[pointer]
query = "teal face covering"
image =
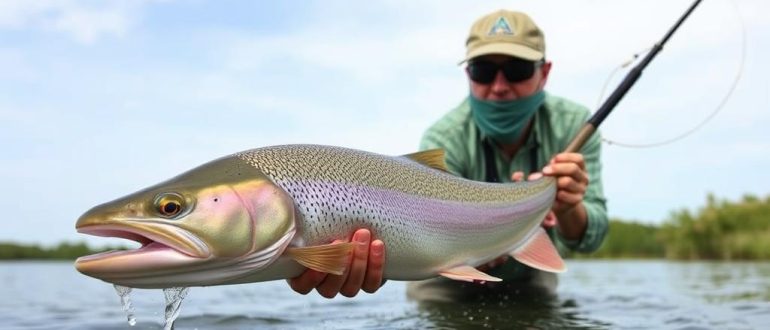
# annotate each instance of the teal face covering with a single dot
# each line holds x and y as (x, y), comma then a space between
(504, 121)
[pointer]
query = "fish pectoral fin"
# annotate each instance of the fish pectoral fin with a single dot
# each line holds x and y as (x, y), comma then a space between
(328, 258)
(468, 274)
(433, 158)
(538, 252)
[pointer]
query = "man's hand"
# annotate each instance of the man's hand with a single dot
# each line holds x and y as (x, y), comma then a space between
(364, 271)
(569, 169)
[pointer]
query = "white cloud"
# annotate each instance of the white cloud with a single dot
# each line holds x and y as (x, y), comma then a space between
(19, 13)
(84, 22)
(87, 25)
(368, 58)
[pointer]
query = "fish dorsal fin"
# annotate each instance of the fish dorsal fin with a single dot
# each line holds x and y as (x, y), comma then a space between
(468, 274)
(328, 258)
(433, 158)
(538, 252)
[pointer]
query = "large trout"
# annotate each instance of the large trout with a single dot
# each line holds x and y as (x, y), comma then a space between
(268, 213)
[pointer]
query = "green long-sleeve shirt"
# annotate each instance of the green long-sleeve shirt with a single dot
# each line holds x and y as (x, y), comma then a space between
(555, 124)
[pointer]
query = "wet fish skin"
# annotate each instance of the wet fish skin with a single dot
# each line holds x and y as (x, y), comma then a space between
(274, 199)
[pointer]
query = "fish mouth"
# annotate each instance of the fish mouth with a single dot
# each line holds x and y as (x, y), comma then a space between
(164, 247)
(150, 236)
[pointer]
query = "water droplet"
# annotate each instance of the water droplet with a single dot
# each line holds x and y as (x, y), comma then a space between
(125, 299)
(174, 297)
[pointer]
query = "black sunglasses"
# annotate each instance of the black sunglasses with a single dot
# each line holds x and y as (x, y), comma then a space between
(514, 70)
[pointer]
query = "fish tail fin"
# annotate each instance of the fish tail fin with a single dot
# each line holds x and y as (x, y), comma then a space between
(539, 252)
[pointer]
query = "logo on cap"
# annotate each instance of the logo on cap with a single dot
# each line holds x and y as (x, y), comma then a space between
(501, 27)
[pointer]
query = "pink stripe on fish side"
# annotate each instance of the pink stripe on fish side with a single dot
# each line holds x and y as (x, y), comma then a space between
(338, 202)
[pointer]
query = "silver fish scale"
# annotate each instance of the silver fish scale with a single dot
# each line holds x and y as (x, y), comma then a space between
(348, 166)
(333, 210)
(337, 190)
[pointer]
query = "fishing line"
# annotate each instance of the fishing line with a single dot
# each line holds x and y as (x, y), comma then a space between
(622, 66)
(708, 118)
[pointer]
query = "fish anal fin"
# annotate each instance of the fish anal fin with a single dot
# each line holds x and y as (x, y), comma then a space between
(468, 274)
(328, 258)
(539, 252)
(433, 158)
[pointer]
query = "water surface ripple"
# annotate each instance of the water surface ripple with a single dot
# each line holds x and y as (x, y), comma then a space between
(592, 295)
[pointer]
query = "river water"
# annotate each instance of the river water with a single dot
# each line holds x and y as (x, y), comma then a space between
(592, 294)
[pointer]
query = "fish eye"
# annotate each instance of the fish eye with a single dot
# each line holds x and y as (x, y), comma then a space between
(169, 205)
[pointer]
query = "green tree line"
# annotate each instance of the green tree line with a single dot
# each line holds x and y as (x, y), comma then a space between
(63, 251)
(720, 230)
(629, 239)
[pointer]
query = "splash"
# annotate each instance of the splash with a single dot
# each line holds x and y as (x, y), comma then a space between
(174, 297)
(125, 298)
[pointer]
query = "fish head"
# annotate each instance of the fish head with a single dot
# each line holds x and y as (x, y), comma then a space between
(204, 227)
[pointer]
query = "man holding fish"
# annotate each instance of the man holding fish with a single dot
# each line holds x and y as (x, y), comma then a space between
(272, 213)
(507, 127)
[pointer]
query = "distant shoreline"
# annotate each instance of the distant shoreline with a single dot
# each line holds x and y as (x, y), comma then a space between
(721, 230)
(62, 251)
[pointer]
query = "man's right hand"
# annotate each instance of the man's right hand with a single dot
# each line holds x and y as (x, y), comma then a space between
(363, 273)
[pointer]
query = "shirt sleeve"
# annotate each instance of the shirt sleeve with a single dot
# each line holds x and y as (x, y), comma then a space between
(594, 202)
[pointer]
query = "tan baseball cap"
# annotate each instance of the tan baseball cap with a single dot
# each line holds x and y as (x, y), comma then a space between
(505, 32)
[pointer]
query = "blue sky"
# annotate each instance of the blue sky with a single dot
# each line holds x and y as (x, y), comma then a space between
(101, 98)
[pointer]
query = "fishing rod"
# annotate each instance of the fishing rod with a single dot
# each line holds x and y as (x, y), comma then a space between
(593, 123)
